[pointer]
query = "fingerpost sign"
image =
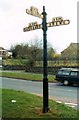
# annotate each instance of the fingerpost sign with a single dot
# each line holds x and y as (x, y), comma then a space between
(56, 21)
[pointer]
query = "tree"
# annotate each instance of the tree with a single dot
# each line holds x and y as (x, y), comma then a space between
(35, 51)
(19, 51)
(56, 56)
(50, 53)
(32, 52)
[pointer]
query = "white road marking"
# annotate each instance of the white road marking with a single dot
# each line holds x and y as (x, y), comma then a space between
(68, 104)
(71, 104)
(70, 90)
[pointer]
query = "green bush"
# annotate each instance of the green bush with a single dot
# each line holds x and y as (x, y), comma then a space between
(15, 61)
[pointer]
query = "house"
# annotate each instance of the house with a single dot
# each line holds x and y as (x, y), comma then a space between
(71, 52)
(4, 52)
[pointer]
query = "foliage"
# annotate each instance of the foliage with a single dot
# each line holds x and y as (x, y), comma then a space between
(50, 53)
(33, 52)
(20, 51)
(58, 62)
(56, 56)
(26, 62)
(15, 61)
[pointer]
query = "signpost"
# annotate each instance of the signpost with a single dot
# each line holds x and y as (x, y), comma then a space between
(34, 11)
(57, 21)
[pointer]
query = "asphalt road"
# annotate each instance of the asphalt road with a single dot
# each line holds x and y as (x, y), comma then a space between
(66, 94)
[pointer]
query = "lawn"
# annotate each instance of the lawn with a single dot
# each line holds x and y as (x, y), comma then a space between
(30, 106)
(26, 76)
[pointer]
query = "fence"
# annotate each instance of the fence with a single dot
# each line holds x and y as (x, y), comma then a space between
(59, 63)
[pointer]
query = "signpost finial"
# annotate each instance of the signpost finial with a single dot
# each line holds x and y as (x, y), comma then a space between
(43, 8)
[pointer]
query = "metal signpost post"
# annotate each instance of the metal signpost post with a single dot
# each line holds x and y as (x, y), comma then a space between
(45, 79)
(57, 21)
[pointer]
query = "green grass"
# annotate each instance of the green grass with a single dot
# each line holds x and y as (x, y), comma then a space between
(30, 106)
(26, 76)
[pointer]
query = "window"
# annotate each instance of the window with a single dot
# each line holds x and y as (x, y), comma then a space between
(60, 72)
(63, 72)
(66, 72)
(74, 73)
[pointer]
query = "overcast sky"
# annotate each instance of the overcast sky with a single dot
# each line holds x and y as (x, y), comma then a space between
(13, 18)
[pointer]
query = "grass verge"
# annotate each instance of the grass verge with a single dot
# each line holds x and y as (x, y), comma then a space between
(26, 76)
(30, 106)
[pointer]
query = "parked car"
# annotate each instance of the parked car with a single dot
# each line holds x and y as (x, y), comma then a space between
(0, 67)
(68, 76)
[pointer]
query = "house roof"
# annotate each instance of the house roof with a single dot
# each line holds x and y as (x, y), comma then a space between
(2, 49)
(72, 45)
